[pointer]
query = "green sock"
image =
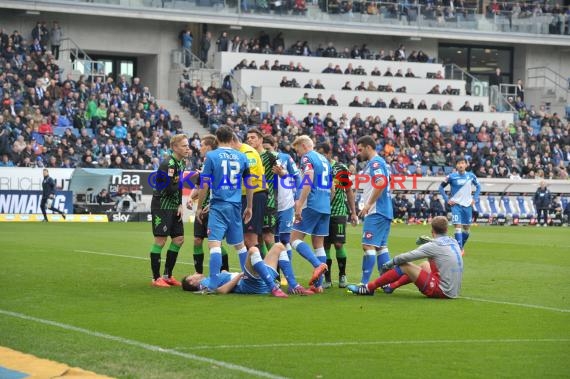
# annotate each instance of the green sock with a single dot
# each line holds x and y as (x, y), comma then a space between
(199, 258)
(263, 249)
(171, 256)
(341, 253)
(155, 260)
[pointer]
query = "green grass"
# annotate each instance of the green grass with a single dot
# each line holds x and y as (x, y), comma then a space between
(334, 335)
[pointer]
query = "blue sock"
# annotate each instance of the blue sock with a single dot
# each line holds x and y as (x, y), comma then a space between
(322, 257)
(215, 265)
(399, 270)
(367, 265)
(459, 237)
(382, 258)
(261, 269)
(287, 269)
(242, 255)
(306, 252)
(465, 236)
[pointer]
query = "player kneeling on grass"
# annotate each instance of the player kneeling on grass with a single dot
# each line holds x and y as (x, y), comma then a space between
(439, 277)
(258, 276)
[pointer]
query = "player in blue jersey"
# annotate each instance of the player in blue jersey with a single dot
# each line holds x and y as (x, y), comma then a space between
(223, 171)
(461, 200)
(377, 210)
(286, 179)
(257, 276)
(312, 209)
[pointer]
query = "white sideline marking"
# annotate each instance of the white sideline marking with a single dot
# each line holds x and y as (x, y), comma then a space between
(523, 305)
(125, 341)
(516, 304)
(351, 343)
(122, 256)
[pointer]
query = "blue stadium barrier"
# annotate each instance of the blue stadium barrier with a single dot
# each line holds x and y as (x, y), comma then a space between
(492, 205)
(448, 170)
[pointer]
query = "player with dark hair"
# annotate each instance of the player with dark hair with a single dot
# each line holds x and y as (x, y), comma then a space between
(224, 170)
(257, 276)
(48, 195)
(166, 211)
(341, 203)
(207, 143)
(312, 209)
(254, 227)
(268, 159)
(439, 277)
(377, 210)
(461, 200)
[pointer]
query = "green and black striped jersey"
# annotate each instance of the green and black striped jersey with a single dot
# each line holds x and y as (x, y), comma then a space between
(339, 206)
(268, 159)
(167, 194)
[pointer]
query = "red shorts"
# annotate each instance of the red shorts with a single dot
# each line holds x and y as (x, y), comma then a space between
(428, 284)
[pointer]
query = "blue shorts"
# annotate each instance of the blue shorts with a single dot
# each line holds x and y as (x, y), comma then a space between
(225, 220)
(313, 223)
(250, 284)
(461, 215)
(375, 230)
(285, 220)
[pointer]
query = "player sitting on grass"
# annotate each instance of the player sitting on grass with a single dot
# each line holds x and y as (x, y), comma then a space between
(439, 277)
(257, 277)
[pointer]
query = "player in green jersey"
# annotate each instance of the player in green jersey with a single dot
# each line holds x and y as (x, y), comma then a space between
(166, 211)
(342, 206)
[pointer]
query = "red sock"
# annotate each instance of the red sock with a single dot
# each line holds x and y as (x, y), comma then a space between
(404, 279)
(387, 277)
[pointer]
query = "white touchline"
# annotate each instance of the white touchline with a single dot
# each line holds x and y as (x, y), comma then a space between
(126, 341)
(380, 342)
(523, 305)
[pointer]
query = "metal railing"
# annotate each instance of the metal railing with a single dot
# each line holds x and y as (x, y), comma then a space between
(80, 60)
(402, 13)
(549, 79)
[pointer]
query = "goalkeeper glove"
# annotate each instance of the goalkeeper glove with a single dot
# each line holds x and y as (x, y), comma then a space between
(423, 239)
(388, 265)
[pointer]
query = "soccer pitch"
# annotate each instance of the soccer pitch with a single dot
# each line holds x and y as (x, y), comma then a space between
(80, 294)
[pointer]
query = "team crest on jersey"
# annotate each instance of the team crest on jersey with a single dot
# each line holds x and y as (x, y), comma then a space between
(368, 235)
(171, 172)
(375, 165)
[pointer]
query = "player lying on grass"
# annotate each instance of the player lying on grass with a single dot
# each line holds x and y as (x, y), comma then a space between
(439, 277)
(258, 276)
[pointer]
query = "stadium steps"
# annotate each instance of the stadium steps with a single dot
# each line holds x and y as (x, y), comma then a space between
(189, 123)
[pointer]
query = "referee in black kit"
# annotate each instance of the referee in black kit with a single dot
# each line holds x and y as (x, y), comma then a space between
(48, 195)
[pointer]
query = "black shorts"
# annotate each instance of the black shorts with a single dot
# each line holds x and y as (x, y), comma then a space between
(255, 225)
(337, 230)
(165, 222)
(270, 220)
(201, 228)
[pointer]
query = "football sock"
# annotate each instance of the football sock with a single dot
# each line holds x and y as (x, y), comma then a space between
(262, 249)
(215, 265)
(328, 272)
(261, 269)
(285, 239)
(382, 258)
(289, 251)
(340, 252)
(155, 260)
(388, 277)
(199, 258)
(225, 259)
(459, 237)
(322, 257)
(403, 280)
(367, 265)
(341, 266)
(305, 251)
(171, 256)
(242, 255)
(287, 269)
(341, 260)
(465, 236)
